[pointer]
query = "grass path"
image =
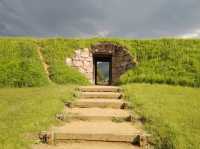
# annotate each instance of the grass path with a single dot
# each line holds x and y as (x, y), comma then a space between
(29, 110)
(171, 113)
(45, 66)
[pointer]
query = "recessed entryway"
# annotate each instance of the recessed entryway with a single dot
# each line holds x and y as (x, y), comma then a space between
(102, 69)
(102, 63)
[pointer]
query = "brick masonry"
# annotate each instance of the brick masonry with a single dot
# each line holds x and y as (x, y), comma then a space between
(121, 60)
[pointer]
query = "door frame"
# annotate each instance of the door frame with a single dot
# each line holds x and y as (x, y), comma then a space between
(102, 58)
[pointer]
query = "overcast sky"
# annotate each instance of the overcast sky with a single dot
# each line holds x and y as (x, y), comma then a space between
(103, 18)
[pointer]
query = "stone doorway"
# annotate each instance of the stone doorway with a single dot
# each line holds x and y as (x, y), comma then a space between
(115, 59)
(102, 69)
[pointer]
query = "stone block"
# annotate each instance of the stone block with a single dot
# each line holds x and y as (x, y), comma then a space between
(85, 54)
(78, 52)
(69, 61)
(86, 50)
(78, 63)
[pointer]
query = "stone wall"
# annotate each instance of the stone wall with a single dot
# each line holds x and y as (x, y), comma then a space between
(83, 61)
(121, 60)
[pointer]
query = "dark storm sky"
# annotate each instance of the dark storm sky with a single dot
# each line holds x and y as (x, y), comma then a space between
(103, 18)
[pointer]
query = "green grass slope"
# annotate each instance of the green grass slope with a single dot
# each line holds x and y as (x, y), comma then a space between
(170, 113)
(55, 52)
(20, 65)
(29, 110)
(167, 61)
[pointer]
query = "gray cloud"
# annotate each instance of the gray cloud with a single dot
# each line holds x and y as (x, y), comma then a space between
(75, 18)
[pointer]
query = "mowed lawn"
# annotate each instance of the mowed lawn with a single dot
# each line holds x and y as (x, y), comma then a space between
(170, 113)
(26, 110)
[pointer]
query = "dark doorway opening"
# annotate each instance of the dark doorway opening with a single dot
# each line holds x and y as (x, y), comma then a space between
(103, 69)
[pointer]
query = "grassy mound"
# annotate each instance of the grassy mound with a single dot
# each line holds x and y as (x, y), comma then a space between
(170, 113)
(20, 65)
(167, 61)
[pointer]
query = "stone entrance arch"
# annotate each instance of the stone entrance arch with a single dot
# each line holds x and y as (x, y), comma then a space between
(120, 60)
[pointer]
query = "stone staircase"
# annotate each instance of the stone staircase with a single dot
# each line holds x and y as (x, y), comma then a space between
(100, 116)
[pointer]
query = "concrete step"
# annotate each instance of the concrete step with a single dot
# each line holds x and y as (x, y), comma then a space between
(99, 89)
(99, 103)
(108, 95)
(87, 145)
(96, 114)
(101, 99)
(98, 131)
